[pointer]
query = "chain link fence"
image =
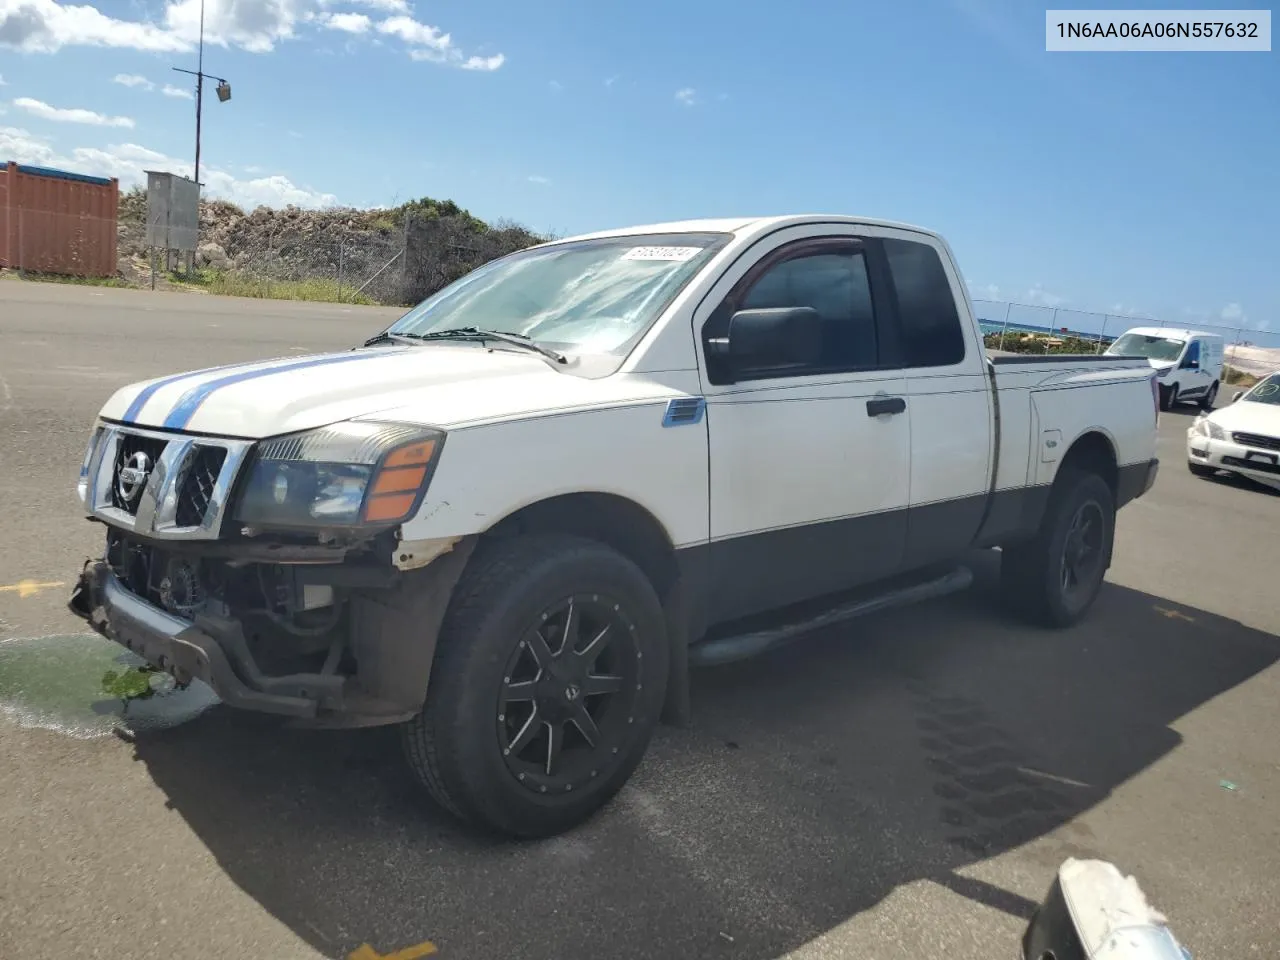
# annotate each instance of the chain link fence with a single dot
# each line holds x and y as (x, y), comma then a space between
(1248, 349)
(366, 257)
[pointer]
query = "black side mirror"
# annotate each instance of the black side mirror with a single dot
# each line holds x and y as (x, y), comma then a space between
(774, 336)
(1237, 395)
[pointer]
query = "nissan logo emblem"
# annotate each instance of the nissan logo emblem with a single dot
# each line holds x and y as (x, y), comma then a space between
(132, 478)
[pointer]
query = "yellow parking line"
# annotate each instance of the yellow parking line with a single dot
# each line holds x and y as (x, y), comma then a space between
(366, 952)
(1174, 614)
(29, 588)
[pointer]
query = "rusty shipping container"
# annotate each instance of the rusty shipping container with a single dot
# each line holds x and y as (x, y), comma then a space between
(52, 221)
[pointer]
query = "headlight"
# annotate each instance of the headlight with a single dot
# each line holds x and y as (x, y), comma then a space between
(82, 484)
(1163, 371)
(347, 474)
(1207, 428)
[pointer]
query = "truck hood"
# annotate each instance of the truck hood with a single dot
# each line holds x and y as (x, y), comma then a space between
(450, 384)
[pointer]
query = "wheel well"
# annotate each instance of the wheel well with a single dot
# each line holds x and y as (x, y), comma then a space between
(616, 521)
(1093, 453)
(636, 533)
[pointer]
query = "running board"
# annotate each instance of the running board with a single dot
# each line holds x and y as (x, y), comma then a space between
(723, 650)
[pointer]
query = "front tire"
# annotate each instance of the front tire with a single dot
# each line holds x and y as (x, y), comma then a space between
(1210, 398)
(547, 685)
(1168, 397)
(1054, 578)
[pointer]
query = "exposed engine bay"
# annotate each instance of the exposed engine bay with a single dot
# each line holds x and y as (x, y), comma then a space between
(287, 620)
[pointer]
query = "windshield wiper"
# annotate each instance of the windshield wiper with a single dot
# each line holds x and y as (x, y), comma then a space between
(387, 336)
(478, 335)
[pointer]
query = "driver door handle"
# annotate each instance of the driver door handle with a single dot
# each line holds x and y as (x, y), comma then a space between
(883, 405)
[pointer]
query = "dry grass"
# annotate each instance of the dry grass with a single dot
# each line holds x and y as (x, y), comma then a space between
(230, 284)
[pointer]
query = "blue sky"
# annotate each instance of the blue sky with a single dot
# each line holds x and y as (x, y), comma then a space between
(1134, 183)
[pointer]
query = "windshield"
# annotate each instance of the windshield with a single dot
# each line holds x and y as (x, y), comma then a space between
(1265, 391)
(588, 296)
(1147, 345)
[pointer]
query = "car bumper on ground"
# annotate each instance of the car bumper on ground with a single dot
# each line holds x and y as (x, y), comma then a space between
(1260, 465)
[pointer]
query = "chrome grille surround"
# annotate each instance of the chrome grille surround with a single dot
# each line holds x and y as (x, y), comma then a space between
(155, 514)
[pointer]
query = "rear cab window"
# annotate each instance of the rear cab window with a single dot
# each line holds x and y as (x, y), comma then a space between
(930, 330)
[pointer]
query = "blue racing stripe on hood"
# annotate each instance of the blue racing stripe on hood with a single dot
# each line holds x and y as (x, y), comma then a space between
(190, 401)
(149, 391)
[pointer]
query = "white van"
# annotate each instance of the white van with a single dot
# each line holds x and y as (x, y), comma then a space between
(1187, 362)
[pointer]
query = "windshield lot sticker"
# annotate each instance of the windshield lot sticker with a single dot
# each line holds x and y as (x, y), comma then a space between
(674, 254)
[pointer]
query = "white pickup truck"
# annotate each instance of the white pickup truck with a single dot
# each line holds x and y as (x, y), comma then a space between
(513, 520)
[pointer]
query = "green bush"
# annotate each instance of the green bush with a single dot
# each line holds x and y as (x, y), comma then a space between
(1038, 343)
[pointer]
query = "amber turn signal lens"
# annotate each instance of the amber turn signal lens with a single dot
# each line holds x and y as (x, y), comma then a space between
(399, 480)
(414, 454)
(392, 506)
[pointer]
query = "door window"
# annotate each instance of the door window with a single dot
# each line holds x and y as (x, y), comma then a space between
(833, 279)
(1192, 357)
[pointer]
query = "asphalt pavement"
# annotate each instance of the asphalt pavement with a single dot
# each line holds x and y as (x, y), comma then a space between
(902, 786)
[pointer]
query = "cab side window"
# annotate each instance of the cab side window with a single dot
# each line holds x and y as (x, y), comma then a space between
(833, 280)
(931, 334)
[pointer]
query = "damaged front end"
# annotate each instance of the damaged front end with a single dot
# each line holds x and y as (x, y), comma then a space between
(273, 572)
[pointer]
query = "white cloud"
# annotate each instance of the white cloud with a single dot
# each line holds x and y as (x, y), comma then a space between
(3, 82)
(133, 80)
(253, 25)
(386, 6)
(610, 81)
(348, 22)
(46, 26)
(687, 95)
(417, 34)
(536, 178)
(1037, 296)
(23, 147)
(430, 43)
(484, 63)
(555, 85)
(129, 162)
(38, 108)
(1232, 313)
(182, 93)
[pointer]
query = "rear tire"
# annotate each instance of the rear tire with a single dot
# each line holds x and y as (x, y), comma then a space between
(512, 738)
(1054, 578)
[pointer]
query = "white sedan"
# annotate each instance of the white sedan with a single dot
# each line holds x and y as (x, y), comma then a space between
(1242, 438)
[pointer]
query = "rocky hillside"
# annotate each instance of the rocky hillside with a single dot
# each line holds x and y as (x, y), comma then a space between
(395, 256)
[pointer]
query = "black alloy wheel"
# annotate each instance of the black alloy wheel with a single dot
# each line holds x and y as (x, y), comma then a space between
(1054, 577)
(1083, 552)
(569, 691)
(549, 677)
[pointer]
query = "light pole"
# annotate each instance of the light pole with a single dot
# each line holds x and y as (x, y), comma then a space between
(223, 89)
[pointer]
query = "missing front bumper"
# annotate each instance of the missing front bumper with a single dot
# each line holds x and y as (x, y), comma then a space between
(210, 650)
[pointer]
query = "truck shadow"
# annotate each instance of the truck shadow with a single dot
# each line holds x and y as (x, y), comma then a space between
(812, 783)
